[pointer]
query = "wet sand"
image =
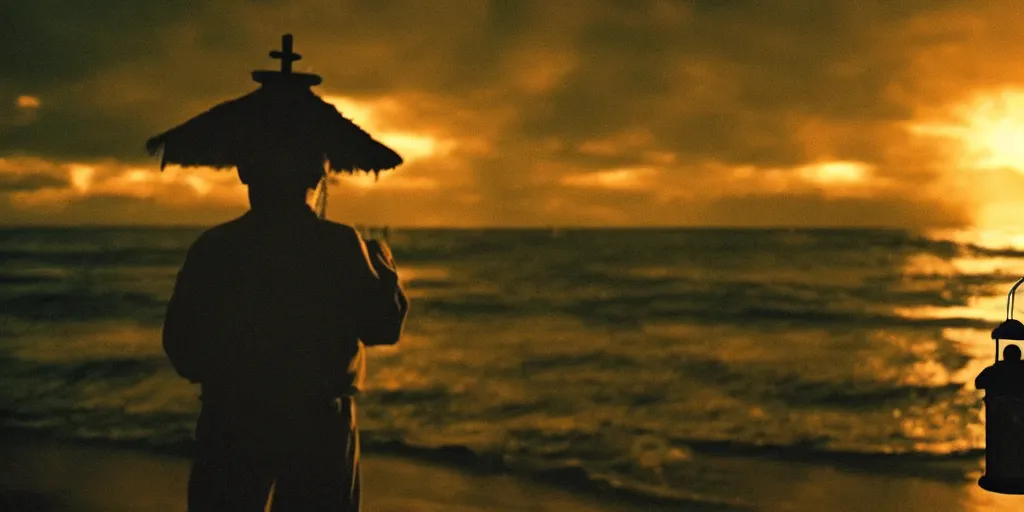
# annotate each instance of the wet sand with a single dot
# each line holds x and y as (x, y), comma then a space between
(44, 476)
(52, 476)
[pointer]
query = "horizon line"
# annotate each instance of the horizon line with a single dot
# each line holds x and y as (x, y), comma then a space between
(547, 227)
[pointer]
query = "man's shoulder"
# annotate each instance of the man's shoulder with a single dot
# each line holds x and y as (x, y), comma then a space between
(338, 227)
(220, 234)
(343, 241)
(340, 233)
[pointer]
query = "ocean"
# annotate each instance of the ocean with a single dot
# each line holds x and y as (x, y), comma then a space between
(671, 364)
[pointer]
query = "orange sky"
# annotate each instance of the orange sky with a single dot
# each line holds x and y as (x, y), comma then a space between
(583, 112)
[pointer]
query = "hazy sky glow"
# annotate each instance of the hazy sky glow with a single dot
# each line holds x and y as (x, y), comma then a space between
(583, 112)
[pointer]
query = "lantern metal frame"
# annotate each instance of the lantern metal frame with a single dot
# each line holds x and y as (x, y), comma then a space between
(1010, 329)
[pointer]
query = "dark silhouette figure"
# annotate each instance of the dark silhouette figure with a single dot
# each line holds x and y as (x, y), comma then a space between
(267, 315)
(1004, 378)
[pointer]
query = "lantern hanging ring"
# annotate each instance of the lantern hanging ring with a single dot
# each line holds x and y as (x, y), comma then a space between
(1010, 329)
(1009, 299)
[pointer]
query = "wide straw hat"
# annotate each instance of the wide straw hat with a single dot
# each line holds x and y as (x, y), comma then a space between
(281, 122)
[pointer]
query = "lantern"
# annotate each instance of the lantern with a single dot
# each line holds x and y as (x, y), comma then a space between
(1003, 383)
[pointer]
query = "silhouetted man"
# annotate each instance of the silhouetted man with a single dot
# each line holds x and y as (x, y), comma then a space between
(267, 315)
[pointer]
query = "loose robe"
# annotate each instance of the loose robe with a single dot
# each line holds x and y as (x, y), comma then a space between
(270, 315)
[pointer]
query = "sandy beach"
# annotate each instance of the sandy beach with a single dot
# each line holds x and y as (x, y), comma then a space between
(41, 475)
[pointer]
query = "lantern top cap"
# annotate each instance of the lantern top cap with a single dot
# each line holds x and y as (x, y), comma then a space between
(1009, 330)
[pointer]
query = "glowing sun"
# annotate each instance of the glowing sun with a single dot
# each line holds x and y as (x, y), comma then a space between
(990, 131)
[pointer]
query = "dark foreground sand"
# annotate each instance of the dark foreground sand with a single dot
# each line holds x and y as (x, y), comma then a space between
(37, 475)
(48, 476)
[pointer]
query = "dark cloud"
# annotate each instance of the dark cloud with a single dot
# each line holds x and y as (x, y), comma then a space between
(765, 84)
(30, 181)
(735, 79)
(631, 66)
(57, 42)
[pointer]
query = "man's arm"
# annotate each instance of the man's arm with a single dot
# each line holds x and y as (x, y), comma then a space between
(183, 339)
(382, 304)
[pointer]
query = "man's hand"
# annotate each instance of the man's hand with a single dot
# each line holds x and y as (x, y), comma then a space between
(387, 328)
(382, 260)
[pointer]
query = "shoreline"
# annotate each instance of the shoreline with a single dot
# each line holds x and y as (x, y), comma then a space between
(55, 475)
(567, 483)
(46, 474)
(41, 473)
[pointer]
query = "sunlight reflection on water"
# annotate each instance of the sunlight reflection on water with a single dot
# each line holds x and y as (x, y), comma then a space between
(975, 343)
(92, 341)
(977, 499)
(933, 265)
(994, 238)
(985, 298)
(988, 309)
(652, 357)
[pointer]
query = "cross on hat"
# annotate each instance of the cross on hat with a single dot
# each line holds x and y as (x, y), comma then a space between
(285, 76)
(286, 54)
